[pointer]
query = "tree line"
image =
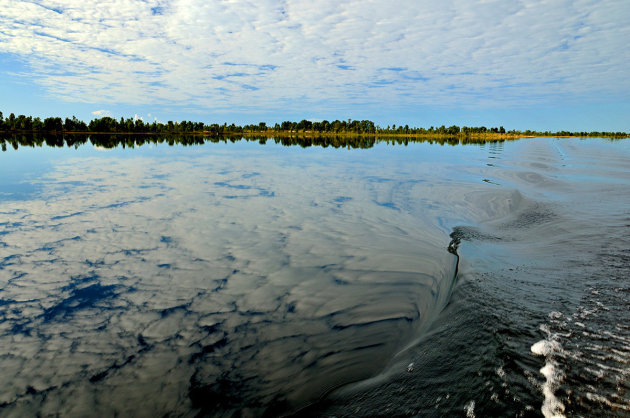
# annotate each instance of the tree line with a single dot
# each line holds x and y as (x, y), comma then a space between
(106, 124)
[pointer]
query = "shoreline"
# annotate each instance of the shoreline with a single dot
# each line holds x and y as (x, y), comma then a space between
(492, 136)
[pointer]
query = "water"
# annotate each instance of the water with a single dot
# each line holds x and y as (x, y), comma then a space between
(244, 279)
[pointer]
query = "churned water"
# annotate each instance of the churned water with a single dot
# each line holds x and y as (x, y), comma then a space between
(246, 279)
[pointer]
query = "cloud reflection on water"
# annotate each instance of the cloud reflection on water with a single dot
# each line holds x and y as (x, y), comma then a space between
(145, 285)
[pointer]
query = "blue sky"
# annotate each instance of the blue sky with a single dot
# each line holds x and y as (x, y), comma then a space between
(548, 65)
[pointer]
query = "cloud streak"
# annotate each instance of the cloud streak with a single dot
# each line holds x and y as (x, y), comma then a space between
(239, 55)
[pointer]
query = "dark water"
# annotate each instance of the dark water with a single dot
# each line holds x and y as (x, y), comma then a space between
(247, 280)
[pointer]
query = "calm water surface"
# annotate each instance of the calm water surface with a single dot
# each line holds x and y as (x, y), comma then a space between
(242, 279)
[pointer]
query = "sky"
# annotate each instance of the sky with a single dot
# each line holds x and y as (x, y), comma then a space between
(521, 64)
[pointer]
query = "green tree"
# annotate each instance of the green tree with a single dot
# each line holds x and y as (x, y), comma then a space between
(38, 125)
(24, 123)
(10, 122)
(74, 125)
(53, 124)
(104, 124)
(453, 130)
(304, 125)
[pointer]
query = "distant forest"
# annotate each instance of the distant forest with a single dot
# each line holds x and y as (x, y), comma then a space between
(22, 123)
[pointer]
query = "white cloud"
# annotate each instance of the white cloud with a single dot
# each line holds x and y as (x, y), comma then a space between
(102, 113)
(237, 54)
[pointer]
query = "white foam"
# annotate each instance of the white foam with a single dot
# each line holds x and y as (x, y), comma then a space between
(545, 347)
(470, 409)
(552, 407)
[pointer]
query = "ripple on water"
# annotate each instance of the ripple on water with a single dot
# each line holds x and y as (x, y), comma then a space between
(169, 297)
